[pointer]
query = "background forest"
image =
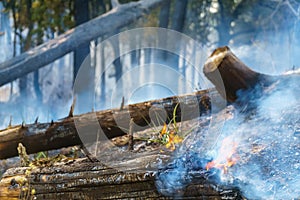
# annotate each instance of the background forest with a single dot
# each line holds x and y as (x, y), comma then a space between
(263, 33)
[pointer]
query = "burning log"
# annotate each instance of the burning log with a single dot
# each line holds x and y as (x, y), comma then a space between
(255, 144)
(73, 179)
(126, 177)
(218, 150)
(192, 174)
(223, 68)
(47, 136)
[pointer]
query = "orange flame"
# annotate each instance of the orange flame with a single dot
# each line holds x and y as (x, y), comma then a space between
(226, 157)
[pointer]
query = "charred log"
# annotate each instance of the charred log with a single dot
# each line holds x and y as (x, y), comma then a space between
(81, 179)
(134, 178)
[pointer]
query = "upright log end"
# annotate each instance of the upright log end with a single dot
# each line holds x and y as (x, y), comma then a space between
(229, 74)
(215, 59)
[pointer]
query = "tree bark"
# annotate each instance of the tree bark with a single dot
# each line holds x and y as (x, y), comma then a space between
(223, 68)
(48, 52)
(46, 136)
(230, 75)
(133, 177)
(81, 179)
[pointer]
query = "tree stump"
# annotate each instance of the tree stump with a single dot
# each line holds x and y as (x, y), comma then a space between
(229, 74)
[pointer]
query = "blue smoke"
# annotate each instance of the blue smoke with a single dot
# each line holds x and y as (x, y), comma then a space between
(267, 132)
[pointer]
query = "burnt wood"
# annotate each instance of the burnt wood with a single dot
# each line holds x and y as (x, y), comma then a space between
(134, 177)
(82, 179)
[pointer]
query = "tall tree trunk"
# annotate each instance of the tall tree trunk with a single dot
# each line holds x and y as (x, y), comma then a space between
(28, 41)
(26, 46)
(179, 15)
(23, 86)
(117, 63)
(36, 85)
(103, 74)
(36, 76)
(177, 25)
(98, 7)
(164, 23)
(82, 58)
(164, 14)
(81, 16)
(135, 55)
(118, 66)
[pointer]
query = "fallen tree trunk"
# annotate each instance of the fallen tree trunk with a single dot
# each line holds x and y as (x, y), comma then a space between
(47, 136)
(223, 68)
(81, 179)
(48, 52)
(136, 179)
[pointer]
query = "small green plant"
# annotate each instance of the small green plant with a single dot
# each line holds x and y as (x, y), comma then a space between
(169, 136)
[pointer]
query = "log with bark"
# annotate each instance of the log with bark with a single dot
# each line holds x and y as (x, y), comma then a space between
(55, 135)
(223, 68)
(82, 179)
(231, 76)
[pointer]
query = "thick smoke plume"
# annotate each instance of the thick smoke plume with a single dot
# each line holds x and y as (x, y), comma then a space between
(266, 128)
